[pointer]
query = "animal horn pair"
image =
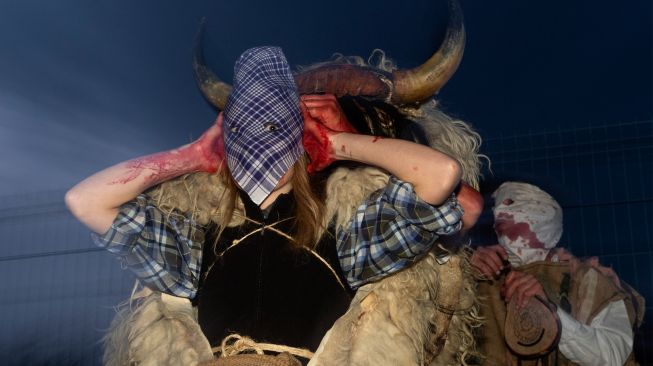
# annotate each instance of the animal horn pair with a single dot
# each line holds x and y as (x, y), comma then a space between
(401, 87)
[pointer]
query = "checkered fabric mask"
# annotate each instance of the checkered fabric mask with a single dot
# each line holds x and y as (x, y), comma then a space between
(263, 124)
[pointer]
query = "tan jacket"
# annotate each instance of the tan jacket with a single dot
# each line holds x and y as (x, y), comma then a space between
(580, 290)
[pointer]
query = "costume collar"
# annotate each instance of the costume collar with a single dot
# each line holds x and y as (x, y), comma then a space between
(282, 208)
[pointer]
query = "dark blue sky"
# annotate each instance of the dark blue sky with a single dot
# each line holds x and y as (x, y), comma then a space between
(87, 84)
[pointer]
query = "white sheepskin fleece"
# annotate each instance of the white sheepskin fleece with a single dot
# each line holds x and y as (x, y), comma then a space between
(155, 329)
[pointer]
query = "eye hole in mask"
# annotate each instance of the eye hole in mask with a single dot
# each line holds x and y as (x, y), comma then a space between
(508, 202)
(270, 126)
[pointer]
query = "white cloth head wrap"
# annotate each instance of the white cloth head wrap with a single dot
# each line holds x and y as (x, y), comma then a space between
(528, 221)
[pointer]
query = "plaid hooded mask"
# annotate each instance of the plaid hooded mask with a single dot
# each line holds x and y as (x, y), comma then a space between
(263, 125)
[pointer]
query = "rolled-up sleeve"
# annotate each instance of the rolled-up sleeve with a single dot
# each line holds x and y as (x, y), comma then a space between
(164, 251)
(607, 340)
(392, 229)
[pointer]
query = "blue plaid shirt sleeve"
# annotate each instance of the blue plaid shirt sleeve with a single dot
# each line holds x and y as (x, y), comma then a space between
(164, 251)
(392, 229)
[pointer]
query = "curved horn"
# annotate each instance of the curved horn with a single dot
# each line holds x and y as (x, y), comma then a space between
(344, 79)
(420, 83)
(214, 90)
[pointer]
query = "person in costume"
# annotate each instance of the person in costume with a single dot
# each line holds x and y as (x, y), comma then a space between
(597, 312)
(268, 251)
(276, 275)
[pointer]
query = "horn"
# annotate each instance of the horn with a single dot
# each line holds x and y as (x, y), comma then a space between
(214, 90)
(417, 84)
(344, 79)
(399, 88)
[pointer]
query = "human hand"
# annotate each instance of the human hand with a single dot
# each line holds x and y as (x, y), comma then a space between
(520, 286)
(472, 202)
(323, 118)
(210, 147)
(489, 260)
(326, 109)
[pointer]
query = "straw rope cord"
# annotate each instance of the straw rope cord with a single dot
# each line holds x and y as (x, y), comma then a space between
(262, 227)
(236, 344)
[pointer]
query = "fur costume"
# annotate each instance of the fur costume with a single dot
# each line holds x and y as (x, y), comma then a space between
(155, 329)
(422, 315)
(427, 311)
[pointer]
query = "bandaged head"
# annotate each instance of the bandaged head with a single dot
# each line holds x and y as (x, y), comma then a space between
(527, 220)
(263, 124)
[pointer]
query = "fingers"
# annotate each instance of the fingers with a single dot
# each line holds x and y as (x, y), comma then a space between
(495, 258)
(521, 287)
(501, 251)
(513, 281)
(311, 117)
(319, 105)
(214, 133)
(220, 120)
(533, 289)
(487, 267)
(327, 115)
(304, 110)
(309, 120)
(326, 110)
(489, 260)
(480, 265)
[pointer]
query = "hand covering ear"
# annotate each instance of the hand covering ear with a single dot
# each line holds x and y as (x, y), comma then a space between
(323, 118)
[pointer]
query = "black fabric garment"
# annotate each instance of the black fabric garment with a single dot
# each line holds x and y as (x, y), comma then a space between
(265, 288)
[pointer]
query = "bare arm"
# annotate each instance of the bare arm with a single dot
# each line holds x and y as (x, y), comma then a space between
(328, 136)
(96, 199)
(433, 174)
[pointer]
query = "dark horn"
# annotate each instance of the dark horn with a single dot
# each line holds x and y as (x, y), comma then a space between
(344, 79)
(214, 90)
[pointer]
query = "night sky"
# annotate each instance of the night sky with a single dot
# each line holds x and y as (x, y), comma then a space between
(84, 85)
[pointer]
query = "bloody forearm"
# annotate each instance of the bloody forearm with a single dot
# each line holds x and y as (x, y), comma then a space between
(95, 200)
(156, 168)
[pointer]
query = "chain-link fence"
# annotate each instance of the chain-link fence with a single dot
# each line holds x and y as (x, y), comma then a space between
(58, 289)
(602, 176)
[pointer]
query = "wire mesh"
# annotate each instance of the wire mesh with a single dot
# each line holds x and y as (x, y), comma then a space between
(602, 176)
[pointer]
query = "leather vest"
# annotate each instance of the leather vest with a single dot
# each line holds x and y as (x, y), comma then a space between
(569, 291)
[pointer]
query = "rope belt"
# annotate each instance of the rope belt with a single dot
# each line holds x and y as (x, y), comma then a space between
(236, 344)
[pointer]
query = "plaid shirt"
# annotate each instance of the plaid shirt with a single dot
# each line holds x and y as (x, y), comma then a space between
(391, 230)
(388, 232)
(163, 251)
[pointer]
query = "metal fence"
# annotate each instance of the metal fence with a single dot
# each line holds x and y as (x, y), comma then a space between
(58, 290)
(602, 176)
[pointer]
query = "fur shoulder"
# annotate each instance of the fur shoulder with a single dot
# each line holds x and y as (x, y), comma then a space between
(198, 194)
(155, 329)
